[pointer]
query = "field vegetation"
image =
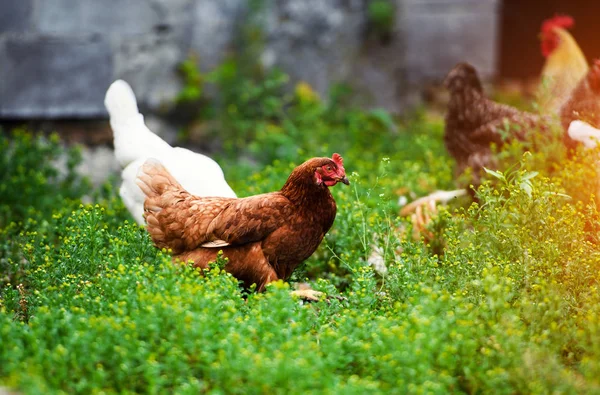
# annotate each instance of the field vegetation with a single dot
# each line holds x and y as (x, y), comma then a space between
(500, 295)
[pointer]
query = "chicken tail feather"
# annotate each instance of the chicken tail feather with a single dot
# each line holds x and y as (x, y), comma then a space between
(120, 102)
(154, 180)
(132, 138)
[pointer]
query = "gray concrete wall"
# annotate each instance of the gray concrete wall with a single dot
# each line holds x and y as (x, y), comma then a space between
(57, 57)
(440, 33)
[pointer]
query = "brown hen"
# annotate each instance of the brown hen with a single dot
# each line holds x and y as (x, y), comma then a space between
(264, 237)
(474, 122)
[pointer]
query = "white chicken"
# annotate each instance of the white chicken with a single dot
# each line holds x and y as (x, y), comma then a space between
(585, 133)
(135, 143)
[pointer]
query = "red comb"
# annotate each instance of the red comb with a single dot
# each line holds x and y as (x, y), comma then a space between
(564, 21)
(549, 38)
(337, 158)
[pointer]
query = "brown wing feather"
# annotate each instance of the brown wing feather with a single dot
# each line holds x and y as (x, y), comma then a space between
(251, 219)
(182, 222)
(516, 124)
(175, 218)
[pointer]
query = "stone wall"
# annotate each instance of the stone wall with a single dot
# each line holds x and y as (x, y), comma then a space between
(57, 57)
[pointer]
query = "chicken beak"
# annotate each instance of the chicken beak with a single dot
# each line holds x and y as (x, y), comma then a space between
(345, 180)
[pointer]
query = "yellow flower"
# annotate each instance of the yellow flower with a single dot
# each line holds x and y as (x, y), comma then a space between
(305, 93)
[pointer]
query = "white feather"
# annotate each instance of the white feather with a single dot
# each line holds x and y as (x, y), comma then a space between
(437, 196)
(584, 133)
(215, 244)
(134, 143)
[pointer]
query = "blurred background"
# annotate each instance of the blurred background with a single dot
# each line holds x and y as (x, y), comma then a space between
(58, 57)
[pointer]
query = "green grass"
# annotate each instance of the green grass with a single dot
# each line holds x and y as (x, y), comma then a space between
(505, 299)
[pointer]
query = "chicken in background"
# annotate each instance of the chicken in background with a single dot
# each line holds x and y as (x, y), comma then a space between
(584, 102)
(134, 143)
(584, 133)
(473, 123)
(264, 237)
(565, 64)
(582, 112)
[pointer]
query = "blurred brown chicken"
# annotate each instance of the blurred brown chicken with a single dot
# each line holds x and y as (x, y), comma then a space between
(264, 237)
(474, 122)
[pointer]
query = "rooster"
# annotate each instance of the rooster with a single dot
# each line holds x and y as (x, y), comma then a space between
(565, 64)
(264, 237)
(135, 143)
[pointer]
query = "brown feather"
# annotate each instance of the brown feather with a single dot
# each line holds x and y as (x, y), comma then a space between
(474, 122)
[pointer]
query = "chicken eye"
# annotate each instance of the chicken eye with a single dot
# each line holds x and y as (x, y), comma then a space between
(328, 168)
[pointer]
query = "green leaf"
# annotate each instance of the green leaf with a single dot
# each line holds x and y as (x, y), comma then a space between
(529, 175)
(494, 173)
(526, 187)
